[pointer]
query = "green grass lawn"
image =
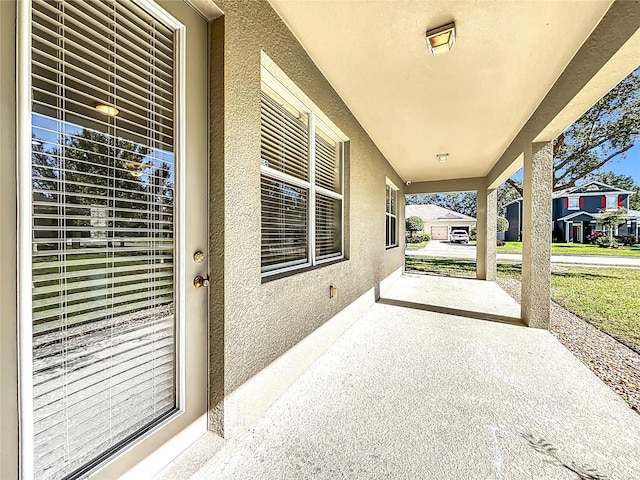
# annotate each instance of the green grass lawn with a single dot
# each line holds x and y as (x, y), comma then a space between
(605, 297)
(577, 249)
(511, 247)
(456, 267)
(415, 246)
(608, 298)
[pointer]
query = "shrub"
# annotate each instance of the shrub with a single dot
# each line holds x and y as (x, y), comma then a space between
(627, 239)
(502, 224)
(473, 234)
(606, 242)
(418, 238)
(593, 237)
(500, 243)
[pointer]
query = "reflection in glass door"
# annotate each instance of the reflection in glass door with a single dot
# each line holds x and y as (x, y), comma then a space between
(103, 189)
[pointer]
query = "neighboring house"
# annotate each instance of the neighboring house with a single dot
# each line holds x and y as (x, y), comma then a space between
(576, 211)
(439, 222)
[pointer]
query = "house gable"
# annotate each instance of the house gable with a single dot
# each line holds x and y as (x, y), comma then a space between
(578, 217)
(594, 188)
(429, 213)
(592, 197)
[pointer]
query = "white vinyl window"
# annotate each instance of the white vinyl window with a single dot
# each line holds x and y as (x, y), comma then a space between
(99, 145)
(301, 181)
(574, 203)
(612, 202)
(391, 215)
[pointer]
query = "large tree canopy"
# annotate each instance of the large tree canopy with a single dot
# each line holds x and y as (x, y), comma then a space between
(96, 169)
(506, 194)
(606, 131)
(464, 202)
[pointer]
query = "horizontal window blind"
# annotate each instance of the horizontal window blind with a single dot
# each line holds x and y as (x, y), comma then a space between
(328, 166)
(285, 149)
(284, 224)
(301, 187)
(284, 138)
(391, 199)
(104, 326)
(328, 162)
(392, 228)
(328, 227)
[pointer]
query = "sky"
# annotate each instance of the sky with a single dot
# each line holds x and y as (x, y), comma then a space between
(630, 165)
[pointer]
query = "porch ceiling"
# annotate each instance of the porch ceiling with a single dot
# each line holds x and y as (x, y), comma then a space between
(471, 102)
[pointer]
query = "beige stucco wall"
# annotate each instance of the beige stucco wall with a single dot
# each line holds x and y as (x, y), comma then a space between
(253, 323)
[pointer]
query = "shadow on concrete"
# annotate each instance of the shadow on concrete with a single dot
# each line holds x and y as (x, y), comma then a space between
(463, 297)
(454, 311)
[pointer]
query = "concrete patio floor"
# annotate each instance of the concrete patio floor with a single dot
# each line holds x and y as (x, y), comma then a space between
(410, 392)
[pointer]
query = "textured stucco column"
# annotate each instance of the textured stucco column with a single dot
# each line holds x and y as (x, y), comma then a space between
(486, 229)
(536, 235)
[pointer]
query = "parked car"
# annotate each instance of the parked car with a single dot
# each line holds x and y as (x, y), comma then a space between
(459, 236)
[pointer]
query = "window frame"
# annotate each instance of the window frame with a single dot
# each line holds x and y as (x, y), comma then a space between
(274, 87)
(575, 198)
(614, 199)
(390, 187)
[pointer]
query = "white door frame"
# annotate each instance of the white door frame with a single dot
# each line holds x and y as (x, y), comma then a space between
(188, 422)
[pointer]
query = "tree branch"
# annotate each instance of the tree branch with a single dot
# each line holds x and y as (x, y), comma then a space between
(581, 174)
(558, 142)
(515, 185)
(578, 153)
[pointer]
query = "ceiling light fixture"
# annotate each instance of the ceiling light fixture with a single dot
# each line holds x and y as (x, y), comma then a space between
(107, 110)
(441, 40)
(442, 157)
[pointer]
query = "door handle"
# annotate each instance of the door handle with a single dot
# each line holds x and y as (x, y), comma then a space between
(201, 281)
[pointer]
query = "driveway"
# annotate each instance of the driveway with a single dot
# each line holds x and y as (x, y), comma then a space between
(445, 249)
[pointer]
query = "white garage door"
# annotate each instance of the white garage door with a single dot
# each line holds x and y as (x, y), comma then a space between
(440, 232)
